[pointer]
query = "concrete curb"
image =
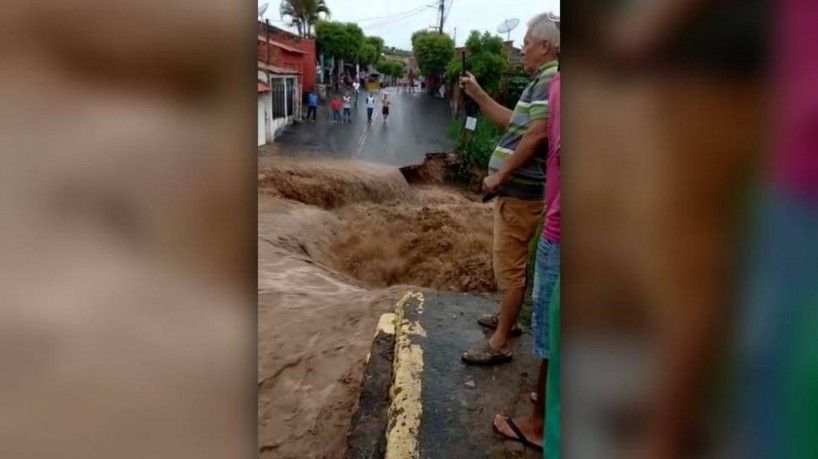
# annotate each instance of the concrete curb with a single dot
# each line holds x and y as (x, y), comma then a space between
(367, 436)
(405, 409)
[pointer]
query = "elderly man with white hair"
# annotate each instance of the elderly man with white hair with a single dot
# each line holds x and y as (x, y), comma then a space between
(517, 178)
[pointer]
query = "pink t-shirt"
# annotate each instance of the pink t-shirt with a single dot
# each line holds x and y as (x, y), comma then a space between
(796, 159)
(551, 227)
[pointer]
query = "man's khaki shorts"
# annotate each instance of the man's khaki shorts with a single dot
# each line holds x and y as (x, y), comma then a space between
(515, 224)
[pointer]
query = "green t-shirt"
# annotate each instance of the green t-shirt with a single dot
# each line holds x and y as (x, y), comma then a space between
(552, 388)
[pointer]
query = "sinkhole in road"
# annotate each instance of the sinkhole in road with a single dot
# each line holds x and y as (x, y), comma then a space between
(369, 223)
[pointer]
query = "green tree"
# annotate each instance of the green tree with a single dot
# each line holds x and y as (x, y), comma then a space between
(486, 59)
(343, 41)
(377, 44)
(304, 14)
(433, 51)
(514, 84)
(371, 51)
(338, 39)
(419, 34)
(383, 67)
(367, 55)
(398, 69)
(391, 68)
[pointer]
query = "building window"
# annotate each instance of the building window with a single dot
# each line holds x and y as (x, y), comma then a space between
(279, 95)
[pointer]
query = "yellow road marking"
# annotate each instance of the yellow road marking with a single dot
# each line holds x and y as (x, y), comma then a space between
(406, 407)
(386, 324)
(365, 134)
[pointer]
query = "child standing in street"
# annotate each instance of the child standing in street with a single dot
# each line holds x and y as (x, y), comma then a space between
(370, 107)
(386, 103)
(347, 108)
(336, 110)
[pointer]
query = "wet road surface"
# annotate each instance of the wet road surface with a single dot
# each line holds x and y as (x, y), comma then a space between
(459, 400)
(417, 125)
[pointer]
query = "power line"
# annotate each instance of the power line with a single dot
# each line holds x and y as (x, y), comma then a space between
(417, 8)
(397, 20)
(451, 5)
(391, 16)
(394, 20)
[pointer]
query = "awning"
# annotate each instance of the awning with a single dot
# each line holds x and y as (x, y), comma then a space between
(278, 44)
(278, 70)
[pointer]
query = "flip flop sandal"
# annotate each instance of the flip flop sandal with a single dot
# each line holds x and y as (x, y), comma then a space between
(482, 354)
(519, 435)
(491, 321)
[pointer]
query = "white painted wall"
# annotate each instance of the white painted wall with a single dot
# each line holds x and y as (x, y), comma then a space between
(267, 126)
(279, 123)
(262, 120)
(268, 103)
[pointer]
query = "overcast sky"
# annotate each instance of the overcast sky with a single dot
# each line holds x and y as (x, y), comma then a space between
(395, 22)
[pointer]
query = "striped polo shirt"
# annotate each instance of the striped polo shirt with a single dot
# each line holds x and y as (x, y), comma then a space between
(527, 182)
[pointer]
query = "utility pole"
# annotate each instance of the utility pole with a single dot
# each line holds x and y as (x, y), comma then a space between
(442, 15)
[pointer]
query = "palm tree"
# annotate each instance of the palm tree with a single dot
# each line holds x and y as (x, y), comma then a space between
(304, 14)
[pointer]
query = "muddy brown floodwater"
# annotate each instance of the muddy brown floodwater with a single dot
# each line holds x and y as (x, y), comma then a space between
(338, 245)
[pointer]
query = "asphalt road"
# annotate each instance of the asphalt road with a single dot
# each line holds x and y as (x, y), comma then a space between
(417, 125)
(459, 400)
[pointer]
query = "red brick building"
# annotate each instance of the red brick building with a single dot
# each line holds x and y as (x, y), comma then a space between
(515, 55)
(288, 51)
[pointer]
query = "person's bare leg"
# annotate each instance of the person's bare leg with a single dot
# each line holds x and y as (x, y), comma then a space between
(530, 426)
(539, 407)
(510, 301)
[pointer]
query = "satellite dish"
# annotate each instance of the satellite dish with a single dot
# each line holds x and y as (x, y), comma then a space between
(507, 26)
(261, 10)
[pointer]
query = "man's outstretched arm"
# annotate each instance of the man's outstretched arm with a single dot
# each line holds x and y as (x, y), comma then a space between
(499, 115)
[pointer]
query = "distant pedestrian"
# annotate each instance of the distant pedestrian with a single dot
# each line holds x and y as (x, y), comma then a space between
(336, 110)
(386, 103)
(312, 103)
(356, 88)
(347, 108)
(370, 107)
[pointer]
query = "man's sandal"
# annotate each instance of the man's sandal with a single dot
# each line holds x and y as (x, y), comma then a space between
(482, 354)
(519, 435)
(491, 321)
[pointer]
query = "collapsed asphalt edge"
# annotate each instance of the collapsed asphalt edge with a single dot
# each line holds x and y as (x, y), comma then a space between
(367, 436)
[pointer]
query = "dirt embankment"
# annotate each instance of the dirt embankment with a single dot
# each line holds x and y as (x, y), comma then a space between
(339, 243)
